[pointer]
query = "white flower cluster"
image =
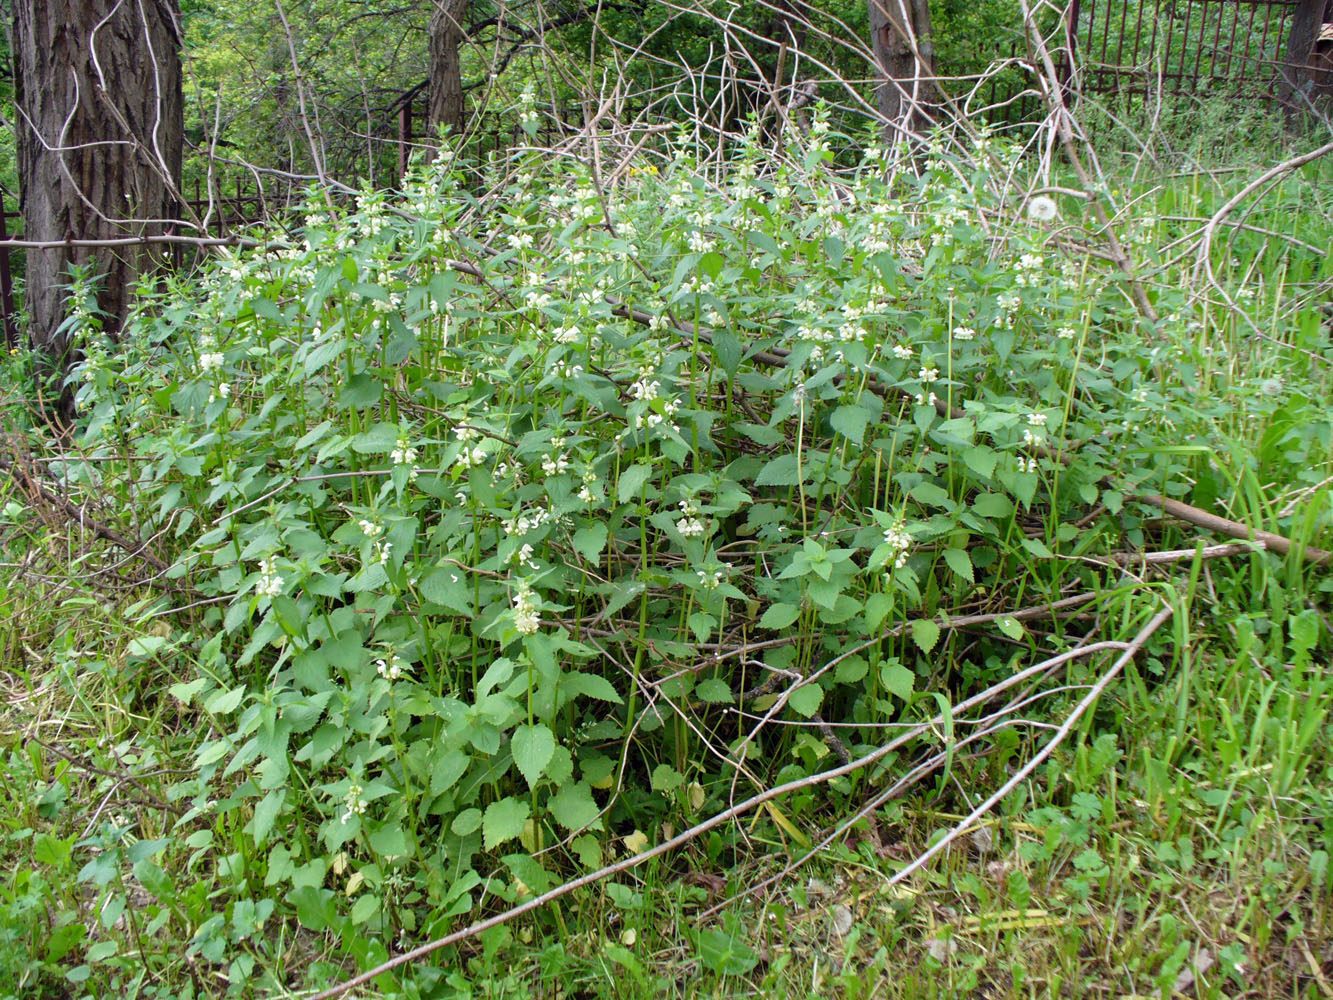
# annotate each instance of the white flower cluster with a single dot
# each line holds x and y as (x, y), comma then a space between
(468, 455)
(392, 668)
(270, 583)
(1031, 437)
(1031, 267)
(903, 352)
(964, 333)
(897, 539)
(355, 804)
(589, 491)
(404, 454)
(690, 524)
(527, 115)
(564, 370)
(522, 524)
(370, 528)
(526, 619)
(210, 361)
(555, 464)
(711, 579)
(645, 389)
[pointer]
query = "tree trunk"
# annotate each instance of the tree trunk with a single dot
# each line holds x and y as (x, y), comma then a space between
(446, 75)
(900, 38)
(1298, 73)
(100, 135)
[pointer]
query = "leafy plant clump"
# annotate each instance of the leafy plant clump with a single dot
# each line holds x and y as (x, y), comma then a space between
(496, 534)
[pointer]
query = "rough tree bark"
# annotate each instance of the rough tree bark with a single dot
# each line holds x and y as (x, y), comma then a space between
(1299, 73)
(446, 74)
(900, 39)
(100, 135)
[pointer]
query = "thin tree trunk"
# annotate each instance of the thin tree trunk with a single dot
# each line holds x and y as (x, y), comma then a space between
(100, 136)
(1296, 75)
(900, 39)
(446, 75)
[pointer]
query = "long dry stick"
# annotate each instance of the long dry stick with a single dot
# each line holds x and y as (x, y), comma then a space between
(1233, 529)
(726, 816)
(1059, 737)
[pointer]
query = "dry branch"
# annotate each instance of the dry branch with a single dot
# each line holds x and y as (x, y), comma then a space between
(1233, 529)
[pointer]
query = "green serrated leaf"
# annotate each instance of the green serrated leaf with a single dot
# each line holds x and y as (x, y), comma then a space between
(503, 820)
(468, 821)
(897, 679)
(960, 562)
(781, 471)
(224, 702)
(994, 505)
(715, 691)
(574, 807)
(925, 633)
(532, 747)
(590, 540)
(631, 482)
(666, 778)
(806, 699)
(850, 422)
(779, 616)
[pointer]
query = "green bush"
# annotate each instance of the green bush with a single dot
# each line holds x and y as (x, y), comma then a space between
(496, 526)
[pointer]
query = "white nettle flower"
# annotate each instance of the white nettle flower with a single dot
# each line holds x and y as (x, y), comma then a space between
(899, 541)
(270, 582)
(645, 389)
(710, 579)
(526, 618)
(555, 464)
(392, 668)
(903, 352)
(403, 453)
(369, 528)
(355, 804)
(928, 375)
(690, 527)
(210, 361)
(964, 333)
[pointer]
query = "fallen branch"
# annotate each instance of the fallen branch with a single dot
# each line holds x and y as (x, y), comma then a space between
(1182, 555)
(1061, 734)
(36, 491)
(726, 816)
(1233, 529)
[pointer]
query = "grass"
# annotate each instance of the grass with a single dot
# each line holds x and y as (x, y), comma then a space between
(1177, 844)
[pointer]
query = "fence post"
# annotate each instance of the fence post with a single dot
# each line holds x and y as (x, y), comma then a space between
(6, 282)
(1065, 69)
(404, 136)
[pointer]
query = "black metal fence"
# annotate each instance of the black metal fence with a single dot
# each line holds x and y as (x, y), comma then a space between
(1233, 47)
